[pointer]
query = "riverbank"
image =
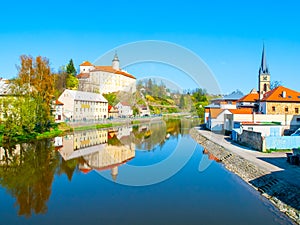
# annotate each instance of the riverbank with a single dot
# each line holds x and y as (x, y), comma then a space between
(268, 173)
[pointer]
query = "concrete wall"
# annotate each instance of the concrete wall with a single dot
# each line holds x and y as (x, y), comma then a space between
(284, 142)
(265, 130)
(251, 139)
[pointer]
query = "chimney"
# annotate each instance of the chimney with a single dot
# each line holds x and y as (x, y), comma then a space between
(284, 94)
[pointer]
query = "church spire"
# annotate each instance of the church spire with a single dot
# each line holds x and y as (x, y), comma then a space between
(264, 82)
(263, 67)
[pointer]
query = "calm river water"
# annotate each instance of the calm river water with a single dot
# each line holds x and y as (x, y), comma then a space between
(142, 174)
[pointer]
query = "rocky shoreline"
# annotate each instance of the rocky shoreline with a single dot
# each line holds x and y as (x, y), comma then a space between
(285, 196)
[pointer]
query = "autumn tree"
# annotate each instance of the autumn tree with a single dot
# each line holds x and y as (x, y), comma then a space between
(35, 82)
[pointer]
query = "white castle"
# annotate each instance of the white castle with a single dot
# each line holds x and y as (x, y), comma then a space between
(105, 79)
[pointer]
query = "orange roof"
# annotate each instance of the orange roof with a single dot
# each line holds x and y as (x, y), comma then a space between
(277, 95)
(83, 75)
(85, 171)
(86, 63)
(241, 111)
(58, 103)
(112, 70)
(214, 113)
(251, 97)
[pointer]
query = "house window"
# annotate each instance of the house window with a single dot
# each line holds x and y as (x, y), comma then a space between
(273, 109)
(297, 110)
(286, 109)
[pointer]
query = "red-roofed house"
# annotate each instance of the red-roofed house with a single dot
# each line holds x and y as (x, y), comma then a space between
(113, 112)
(59, 108)
(105, 79)
(280, 100)
(249, 101)
(215, 121)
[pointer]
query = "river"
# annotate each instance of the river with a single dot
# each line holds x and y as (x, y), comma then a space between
(152, 173)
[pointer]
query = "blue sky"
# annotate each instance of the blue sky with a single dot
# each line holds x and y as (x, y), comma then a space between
(227, 35)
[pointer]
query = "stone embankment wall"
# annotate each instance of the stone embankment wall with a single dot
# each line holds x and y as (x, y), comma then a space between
(283, 195)
(251, 139)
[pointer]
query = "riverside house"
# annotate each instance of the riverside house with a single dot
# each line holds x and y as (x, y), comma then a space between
(80, 106)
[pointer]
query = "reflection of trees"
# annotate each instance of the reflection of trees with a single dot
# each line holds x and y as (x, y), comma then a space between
(67, 167)
(152, 135)
(186, 125)
(173, 126)
(28, 175)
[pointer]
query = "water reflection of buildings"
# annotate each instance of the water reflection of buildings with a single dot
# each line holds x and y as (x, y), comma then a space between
(97, 152)
(211, 156)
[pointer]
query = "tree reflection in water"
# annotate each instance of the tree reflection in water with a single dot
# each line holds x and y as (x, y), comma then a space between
(27, 174)
(27, 170)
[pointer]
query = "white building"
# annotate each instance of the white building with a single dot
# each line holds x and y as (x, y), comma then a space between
(105, 79)
(144, 110)
(79, 105)
(124, 109)
(58, 113)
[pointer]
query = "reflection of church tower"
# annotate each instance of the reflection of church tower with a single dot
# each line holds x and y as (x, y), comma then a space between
(116, 62)
(264, 76)
(114, 173)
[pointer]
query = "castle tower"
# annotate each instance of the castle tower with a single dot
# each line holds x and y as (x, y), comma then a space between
(116, 62)
(264, 76)
(114, 173)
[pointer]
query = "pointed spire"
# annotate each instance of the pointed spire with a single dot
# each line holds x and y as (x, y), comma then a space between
(116, 58)
(263, 67)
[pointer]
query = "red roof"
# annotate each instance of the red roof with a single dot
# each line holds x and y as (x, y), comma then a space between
(85, 171)
(83, 75)
(112, 70)
(58, 103)
(251, 97)
(241, 111)
(214, 113)
(86, 63)
(281, 94)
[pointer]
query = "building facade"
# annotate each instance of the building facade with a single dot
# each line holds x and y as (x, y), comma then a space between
(124, 109)
(79, 105)
(280, 100)
(105, 79)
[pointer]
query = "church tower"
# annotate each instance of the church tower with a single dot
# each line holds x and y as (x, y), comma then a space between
(116, 62)
(264, 76)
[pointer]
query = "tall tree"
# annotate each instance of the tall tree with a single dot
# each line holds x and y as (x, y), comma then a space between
(35, 81)
(70, 68)
(181, 102)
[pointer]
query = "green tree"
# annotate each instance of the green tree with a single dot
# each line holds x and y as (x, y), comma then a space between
(70, 68)
(72, 82)
(33, 90)
(111, 98)
(181, 102)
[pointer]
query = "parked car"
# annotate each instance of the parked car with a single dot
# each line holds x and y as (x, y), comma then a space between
(296, 133)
